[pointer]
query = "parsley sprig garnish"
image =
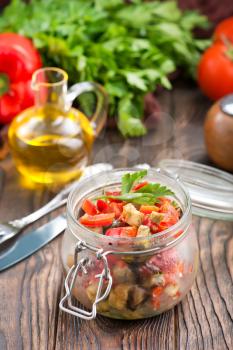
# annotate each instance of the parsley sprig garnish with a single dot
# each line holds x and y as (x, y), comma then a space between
(147, 194)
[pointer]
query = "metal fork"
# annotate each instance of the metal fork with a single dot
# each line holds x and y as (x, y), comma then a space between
(12, 228)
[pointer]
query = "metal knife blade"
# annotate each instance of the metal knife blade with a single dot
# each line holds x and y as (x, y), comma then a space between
(31, 242)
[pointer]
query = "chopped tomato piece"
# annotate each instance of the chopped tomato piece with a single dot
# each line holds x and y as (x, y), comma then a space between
(156, 292)
(168, 208)
(167, 222)
(122, 231)
(164, 225)
(113, 193)
(129, 231)
(171, 216)
(147, 222)
(116, 208)
(89, 207)
(162, 201)
(115, 232)
(102, 206)
(147, 209)
(97, 220)
(140, 185)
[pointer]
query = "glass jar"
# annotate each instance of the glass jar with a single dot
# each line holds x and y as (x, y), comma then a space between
(127, 278)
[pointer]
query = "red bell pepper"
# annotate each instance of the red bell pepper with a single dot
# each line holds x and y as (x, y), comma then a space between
(140, 185)
(89, 207)
(97, 220)
(147, 209)
(18, 60)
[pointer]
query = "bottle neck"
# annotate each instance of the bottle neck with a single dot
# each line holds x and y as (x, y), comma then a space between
(52, 95)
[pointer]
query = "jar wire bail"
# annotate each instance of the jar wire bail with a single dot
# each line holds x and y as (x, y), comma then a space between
(80, 266)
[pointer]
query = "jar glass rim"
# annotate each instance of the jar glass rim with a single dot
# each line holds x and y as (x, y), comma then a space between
(71, 215)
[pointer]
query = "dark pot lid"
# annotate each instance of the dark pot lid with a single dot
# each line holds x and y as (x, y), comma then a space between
(210, 189)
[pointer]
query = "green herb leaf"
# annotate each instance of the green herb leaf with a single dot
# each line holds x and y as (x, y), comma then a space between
(156, 189)
(127, 46)
(137, 198)
(147, 194)
(130, 179)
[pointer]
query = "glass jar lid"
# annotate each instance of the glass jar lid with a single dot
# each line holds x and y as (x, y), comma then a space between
(210, 189)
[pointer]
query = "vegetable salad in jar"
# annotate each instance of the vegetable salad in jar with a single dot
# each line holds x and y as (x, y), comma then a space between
(132, 233)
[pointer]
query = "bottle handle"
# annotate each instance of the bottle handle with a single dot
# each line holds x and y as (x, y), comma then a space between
(99, 117)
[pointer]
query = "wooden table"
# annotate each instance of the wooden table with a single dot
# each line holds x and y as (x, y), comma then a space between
(30, 292)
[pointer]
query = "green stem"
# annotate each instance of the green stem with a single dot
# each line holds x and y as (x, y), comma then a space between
(228, 44)
(4, 83)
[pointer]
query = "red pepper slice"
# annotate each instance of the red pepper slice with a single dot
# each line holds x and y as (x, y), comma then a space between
(97, 220)
(89, 207)
(147, 209)
(140, 185)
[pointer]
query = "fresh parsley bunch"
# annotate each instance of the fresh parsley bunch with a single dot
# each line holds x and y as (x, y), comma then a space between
(146, 195)
(127, 47)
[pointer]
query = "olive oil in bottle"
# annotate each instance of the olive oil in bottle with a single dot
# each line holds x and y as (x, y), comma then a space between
(49, 145)
(51, 142)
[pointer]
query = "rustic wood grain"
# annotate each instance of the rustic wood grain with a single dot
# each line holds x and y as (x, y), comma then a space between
(30, 292)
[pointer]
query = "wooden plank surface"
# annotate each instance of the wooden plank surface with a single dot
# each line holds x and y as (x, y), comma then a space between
(30, 292)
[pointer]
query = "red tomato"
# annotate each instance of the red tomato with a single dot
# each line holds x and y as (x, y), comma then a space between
(113, 207)
(156, 292)
(224, 30)
(215, 71)
(116, 208)
(147, 222)
(102, 206)
(168, 209)
(171, 216)
(122, 231)
(97, 220)
(140, 185)
(89, 207)
(168, 221)
(147, 209)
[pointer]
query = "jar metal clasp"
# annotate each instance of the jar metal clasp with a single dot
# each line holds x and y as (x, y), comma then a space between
(80, 266)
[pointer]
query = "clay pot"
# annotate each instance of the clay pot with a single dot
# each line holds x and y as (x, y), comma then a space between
(218, 131)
